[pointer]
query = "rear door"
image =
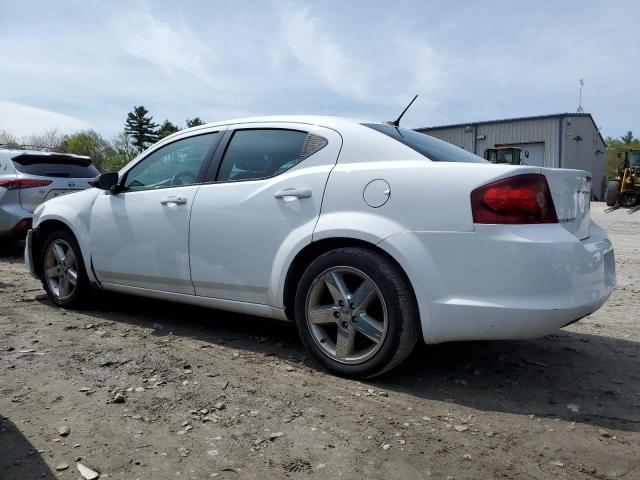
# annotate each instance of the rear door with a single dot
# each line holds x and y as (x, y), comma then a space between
(64, 174)
(263, 198)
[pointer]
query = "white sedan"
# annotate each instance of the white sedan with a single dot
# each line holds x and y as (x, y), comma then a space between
(367, 235)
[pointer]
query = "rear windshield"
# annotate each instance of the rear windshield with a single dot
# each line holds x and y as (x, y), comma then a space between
(432, 148)
(56, 166)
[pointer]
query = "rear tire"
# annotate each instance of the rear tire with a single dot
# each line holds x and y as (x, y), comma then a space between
(63, 273)
(612, 193)
(363, 300)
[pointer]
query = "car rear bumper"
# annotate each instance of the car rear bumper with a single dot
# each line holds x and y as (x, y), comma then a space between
(504, 282)
(14, 221)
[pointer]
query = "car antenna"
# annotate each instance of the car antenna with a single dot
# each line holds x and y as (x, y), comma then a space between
(396, 122)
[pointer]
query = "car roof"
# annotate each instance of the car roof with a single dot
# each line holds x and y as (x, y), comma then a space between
(320, 120)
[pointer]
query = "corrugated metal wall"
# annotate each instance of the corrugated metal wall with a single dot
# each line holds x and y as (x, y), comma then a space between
(575, 154)
(504, 133)
(522, 132)
(457, 136)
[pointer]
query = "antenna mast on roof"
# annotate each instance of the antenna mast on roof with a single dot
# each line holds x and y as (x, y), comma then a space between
(580, 110)
(396, 122)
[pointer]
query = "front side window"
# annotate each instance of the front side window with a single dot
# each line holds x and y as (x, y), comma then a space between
(174, 165)
(428, 146)
(262, 153)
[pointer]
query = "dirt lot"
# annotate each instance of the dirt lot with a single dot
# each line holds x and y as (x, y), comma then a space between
(209, 394)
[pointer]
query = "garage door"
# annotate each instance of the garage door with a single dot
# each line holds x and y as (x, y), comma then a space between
(532, 153)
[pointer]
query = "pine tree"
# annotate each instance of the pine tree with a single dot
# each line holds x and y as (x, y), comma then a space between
(627, 137)
(141, 128)
(167, 128)
(194, 122)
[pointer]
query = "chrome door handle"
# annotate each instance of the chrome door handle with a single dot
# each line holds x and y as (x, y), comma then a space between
(173, 201)
(293, 192)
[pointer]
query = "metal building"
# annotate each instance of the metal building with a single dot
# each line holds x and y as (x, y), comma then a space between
(564, 140)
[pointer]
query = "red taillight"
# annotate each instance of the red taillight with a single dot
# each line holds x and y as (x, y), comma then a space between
(519, 199)
(22, 183)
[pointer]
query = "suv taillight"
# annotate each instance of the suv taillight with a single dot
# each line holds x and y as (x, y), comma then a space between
(519, 199)
(22, 183)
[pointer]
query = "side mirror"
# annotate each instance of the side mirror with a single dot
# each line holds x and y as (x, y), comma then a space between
(108, 181)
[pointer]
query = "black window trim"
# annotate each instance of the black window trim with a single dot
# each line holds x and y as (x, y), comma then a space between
(213, 173)
(201, 173)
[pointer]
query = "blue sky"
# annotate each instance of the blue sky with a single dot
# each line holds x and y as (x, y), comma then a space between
(84, 64)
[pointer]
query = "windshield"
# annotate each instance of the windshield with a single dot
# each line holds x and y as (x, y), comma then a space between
(432, 148)
(634, 158)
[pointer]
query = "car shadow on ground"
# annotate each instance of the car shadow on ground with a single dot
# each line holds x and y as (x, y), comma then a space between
(11, 250)
(18, 458)
(572, 376)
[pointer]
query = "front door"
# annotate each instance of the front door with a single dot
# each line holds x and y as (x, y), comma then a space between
(139, 237)
(264, 201)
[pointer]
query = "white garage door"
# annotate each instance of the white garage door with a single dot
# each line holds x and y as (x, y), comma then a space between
(532, 153)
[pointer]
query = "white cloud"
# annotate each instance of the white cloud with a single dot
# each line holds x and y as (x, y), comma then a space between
(173, 49)
(321, 55)
(20, 119)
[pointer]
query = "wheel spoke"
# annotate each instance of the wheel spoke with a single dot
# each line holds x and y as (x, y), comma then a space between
(345, 342)
(337, 287)
(70, 259)
(364, 295)
(62, 286)
(368, 326)
(58, 251)
(322, 315)
(71, 276)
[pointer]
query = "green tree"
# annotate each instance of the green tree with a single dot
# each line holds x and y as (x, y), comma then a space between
(194, 122)
(91, 144)
(140, 126)
(123, 152)
(167, 128)
(628, 137)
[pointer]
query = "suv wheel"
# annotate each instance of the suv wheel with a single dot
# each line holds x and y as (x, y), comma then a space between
(356, 312)
(63, 274)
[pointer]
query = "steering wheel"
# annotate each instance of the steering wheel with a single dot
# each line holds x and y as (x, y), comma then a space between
(183, 178)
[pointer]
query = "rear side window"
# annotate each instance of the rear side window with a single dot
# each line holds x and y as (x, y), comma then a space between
(432, 148)
(55, 166)
(263, 153)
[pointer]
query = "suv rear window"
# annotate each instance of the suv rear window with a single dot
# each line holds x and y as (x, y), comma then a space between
(432, 148)
(55, 166)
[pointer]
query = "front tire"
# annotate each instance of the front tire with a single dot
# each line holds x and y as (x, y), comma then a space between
(356, 312)
(63, 273)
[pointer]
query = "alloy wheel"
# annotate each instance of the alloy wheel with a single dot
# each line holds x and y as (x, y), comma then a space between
(61, 269)
(346, 315)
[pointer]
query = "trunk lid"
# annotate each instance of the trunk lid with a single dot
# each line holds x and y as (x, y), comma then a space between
(571, 193)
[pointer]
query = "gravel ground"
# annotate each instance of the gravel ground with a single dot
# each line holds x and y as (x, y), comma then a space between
(208, 394)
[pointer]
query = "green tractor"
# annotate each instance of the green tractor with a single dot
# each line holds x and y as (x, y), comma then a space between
(624, 189)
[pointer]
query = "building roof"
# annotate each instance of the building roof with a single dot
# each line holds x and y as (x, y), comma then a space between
(517, 119)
